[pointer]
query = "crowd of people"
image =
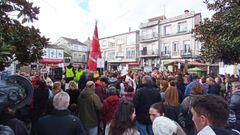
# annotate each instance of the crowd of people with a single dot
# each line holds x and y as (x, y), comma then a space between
(130, 103)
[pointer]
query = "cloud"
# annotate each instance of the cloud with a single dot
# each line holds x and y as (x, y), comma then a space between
(76, 18)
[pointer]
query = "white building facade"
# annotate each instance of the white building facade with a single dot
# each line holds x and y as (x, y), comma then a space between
(177, 41)
(149, 46)
(79, 52)
(120, 50)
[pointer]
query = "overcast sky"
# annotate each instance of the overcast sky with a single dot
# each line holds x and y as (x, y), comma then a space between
(76, 18)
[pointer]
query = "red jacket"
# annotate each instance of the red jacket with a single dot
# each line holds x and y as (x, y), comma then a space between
(110, 105)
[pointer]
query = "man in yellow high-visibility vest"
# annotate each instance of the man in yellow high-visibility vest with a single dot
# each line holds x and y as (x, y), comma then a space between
(69, 73)
(78, 75)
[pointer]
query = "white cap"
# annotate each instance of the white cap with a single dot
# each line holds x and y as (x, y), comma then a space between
(164, 126)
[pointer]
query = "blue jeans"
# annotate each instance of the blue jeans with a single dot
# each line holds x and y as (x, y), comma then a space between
(92, 131)
(144, 129)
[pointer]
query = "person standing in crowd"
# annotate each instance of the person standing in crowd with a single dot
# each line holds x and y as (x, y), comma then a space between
(40, 101)
(110, 105)
(89, 105)
(82, 82)
(234, 102)
(214, 88)
(210, 115)
(69, 74)
(165, 126)
(8, 118)
(73, 92)
(143, 99)
(123, 122)
(157, 110)
(57, 87)
(60, 121)
(78, 74)
(197, 90)
(205, 85)
(195, 80)
(100, 88)
(180, 86)
(163, 88)
(171, 103)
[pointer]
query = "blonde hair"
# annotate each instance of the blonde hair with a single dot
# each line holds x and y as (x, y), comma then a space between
(73, 85)
(171, 96)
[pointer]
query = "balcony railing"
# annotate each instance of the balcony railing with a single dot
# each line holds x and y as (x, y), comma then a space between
(120, 55)
(144, 53)
(165, 54)
(186, 53)
(175, 53)
(149, 37)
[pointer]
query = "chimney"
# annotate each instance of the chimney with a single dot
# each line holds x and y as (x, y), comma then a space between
(129, 29)
(186, 11)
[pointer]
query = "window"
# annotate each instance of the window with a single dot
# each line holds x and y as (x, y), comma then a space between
(167, 30)
(110, 55)
(75, 47)
(175, 47)
(130, 53)
(104, 44)
(186, 46)
(111, 44)
(131, 39)
(182, 27)
(83, 57)
(166, 48)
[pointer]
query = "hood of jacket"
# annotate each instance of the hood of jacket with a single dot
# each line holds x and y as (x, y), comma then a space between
(87, 92)
(113, 100)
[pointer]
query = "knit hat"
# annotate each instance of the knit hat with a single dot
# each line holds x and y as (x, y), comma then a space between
(164, 126)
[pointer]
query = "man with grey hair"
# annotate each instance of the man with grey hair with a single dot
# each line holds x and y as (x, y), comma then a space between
(60, 121)
(144, 98)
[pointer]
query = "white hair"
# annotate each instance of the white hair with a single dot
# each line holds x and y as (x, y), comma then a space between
(61, 101)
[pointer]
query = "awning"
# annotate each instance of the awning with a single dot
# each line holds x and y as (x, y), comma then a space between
(52, 60)
(137, 63)
(196, 69)
(191, 63)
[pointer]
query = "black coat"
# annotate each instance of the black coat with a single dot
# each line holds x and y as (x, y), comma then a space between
(234, 103)
(60, 122)
(214, 89)
(144, 98)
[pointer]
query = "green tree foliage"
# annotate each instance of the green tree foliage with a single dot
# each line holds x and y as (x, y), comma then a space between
(220, 35)
(19, 42)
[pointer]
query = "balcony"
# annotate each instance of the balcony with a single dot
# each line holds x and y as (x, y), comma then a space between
(165, 54)
(149, 37)
(186, 53)
(120, 55)
(148, 53)
(175, 53)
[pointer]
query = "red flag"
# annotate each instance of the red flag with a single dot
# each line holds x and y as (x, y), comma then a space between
(95, 52)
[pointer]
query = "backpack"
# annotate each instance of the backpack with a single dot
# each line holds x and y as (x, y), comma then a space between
(185, 117)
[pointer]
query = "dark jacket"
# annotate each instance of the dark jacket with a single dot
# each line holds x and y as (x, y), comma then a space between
(144, 98)
(82, 83)
(73, 96)
(40, 103)
(60, 122)
(234, 103)
(15, 124)
(214, 89)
